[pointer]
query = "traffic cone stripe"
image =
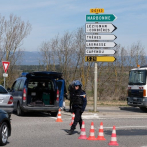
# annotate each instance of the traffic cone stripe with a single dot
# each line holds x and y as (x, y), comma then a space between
(101, 134)
(91, 134)
(101, 127)
(114, 132)
(92, 127)
(82, 129)
(72, 120)
(113, 139)
(83, 126)
(113, 135)
(83, 133)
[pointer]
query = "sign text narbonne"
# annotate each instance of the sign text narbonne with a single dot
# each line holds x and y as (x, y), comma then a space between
(101, 17)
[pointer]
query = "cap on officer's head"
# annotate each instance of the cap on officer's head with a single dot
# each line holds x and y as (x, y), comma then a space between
(77, 83)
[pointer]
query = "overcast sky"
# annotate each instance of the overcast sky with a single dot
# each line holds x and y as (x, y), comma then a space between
(51, 17)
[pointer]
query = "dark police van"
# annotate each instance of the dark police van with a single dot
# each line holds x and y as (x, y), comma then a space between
(36, 91)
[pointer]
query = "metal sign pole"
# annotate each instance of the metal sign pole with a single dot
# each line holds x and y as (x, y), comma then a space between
(4, 82)
(95, 85)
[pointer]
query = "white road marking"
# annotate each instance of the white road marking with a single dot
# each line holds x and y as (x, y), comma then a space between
(123, 127)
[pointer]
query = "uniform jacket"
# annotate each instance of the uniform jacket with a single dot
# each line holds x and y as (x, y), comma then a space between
(82, 95)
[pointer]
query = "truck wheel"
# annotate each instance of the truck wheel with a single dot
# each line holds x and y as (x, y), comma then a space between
(144, 109)
(3, 133)
(19, 111)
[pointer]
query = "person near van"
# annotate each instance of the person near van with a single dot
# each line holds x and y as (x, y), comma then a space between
(71, 89)
(63, 93)
(79, 103)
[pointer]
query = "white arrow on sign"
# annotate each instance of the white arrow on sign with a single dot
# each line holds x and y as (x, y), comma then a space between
(100, 28)
(100, 37)
(100, 44)
(99, 51)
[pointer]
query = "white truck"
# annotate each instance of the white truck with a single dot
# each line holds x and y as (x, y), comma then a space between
(137, 88)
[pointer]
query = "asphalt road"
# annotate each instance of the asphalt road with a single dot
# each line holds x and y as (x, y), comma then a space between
(41, 130)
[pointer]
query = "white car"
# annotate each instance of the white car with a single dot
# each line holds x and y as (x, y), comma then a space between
(6, 101)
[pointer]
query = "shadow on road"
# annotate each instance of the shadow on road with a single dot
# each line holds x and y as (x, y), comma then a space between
(68, 130)
(132, 109)
(131, 132)
(34, 114)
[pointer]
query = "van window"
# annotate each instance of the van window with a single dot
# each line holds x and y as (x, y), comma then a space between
(21, 85)
(16, 85)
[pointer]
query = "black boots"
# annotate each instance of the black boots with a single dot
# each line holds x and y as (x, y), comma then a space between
(71, 131)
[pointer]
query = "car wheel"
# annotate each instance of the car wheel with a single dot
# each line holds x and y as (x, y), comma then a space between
(54, 114)
(19, 111)
(3, 133)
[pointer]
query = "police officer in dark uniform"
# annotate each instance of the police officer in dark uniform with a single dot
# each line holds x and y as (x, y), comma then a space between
(79, 103)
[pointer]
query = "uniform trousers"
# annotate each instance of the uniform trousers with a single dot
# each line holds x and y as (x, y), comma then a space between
(78, 119)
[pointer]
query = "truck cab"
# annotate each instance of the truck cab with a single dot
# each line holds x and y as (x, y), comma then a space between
(137, 88)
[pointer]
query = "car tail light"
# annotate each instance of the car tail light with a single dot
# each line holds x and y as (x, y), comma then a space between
(144, 92)
(10, 100)
(57, 99)
(24, 95)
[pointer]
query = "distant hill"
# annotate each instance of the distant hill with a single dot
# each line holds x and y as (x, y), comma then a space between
(31, 58)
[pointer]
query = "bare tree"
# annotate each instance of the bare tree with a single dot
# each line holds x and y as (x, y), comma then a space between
(12, 33)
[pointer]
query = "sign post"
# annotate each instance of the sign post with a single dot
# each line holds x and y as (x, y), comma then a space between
(94, 41)
(5, 66)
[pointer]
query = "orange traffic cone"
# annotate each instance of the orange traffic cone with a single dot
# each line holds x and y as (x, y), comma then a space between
(59, 119)
(113, 141)
(83, 132)
(101, 132)
(91, 136)
(72, 120)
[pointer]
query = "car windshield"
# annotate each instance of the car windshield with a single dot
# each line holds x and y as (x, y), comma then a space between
(137, 77)
(2, 90)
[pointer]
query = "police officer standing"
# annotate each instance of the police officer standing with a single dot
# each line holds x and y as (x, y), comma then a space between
(79, 103)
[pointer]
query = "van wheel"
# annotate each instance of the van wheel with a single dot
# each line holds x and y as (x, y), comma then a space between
(19, 111)
(3, 133)
(144, 109)
(54, 114)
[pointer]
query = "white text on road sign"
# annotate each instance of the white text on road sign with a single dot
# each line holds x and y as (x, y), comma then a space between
(100, 37)
(100, 44)
(99, 51)
(100, 28)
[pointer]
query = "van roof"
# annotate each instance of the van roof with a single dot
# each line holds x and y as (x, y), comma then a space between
(44, 73)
